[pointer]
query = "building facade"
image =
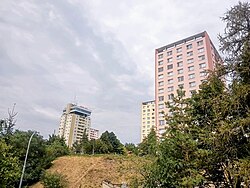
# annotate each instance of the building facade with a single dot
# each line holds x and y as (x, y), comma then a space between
(93, 134)
(75, 120)
(147, 118)
(182, 64)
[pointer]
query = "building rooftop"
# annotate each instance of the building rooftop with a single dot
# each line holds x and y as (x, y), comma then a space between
(199, 35)
(148, 102)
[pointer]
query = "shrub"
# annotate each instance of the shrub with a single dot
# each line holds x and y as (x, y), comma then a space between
(54, 180)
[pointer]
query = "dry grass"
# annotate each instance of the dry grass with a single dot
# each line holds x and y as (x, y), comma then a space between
(90, 171)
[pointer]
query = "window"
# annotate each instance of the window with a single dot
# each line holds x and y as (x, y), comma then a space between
(200, 50)
(171, 88)
(179, 56)
(181, 78)
(201, 57)
(180, 71)
(160, 63)
(178, 50)
(192, 84)
(160, 90)
(161, 106)
(160, 76)
(161, 114)
(191, 68)
(189, 46)
(179, 64)
(169, 60)
(181, 86)
(148, 122)
(161, 122)
(170, 73)
(199, 43)
(203, 74)
(170, 66)
(189, 53)
(160, 69)
(169, 53)
(160, 56)
(160, 83)
(170, 81)
(190, 60)
(161, 98)
(191, 76)
(202, 65)
(170, 96)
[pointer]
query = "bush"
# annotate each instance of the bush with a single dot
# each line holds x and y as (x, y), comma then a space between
(54, 180)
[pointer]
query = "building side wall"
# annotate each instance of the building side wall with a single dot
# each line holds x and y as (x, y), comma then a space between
(181, 64)
(147, 118)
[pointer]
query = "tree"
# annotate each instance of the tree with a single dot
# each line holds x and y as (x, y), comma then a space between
(112, 143)
(149, 145)
(37, 161)
(177, 159)
(10, 168)
(130, 147)
(208, 139)
(56, 147)
(236, 40)
(7, 125)
(83, 145)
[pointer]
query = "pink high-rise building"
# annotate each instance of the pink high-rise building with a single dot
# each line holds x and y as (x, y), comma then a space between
(181, 64)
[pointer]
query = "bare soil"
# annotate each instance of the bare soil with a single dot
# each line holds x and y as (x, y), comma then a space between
(90, 171)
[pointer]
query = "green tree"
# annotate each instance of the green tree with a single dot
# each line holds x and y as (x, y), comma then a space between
(112, 143)
(132, 148)
(37, 161)
(235, 41)
(83, 145)
(177, 159)
(56, 147)
(10, 170)
(149, 145)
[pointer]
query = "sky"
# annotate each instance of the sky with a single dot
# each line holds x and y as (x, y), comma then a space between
(97, 53)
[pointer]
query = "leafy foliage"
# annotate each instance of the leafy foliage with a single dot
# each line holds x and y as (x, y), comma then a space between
(13, 146)
(149, 144)
(108, 143)
(54, 180)
(56, 147)
(131, 148)
(9, 166)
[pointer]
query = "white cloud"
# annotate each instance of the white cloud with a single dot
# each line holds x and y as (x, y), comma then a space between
(100, 51)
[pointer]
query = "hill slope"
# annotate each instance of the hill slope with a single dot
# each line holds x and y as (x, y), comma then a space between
(90, 171)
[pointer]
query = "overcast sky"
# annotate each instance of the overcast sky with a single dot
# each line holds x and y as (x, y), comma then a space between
(101, 51)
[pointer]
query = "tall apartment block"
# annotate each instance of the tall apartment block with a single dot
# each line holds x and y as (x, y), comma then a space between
(147, 118)
(74, 121)
(181, 64)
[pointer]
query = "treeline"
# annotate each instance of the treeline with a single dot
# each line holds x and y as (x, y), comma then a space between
(13, 146)
(207, 142)
(107, 143)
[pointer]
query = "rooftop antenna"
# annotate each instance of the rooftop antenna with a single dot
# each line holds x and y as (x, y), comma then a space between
(75, 100)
